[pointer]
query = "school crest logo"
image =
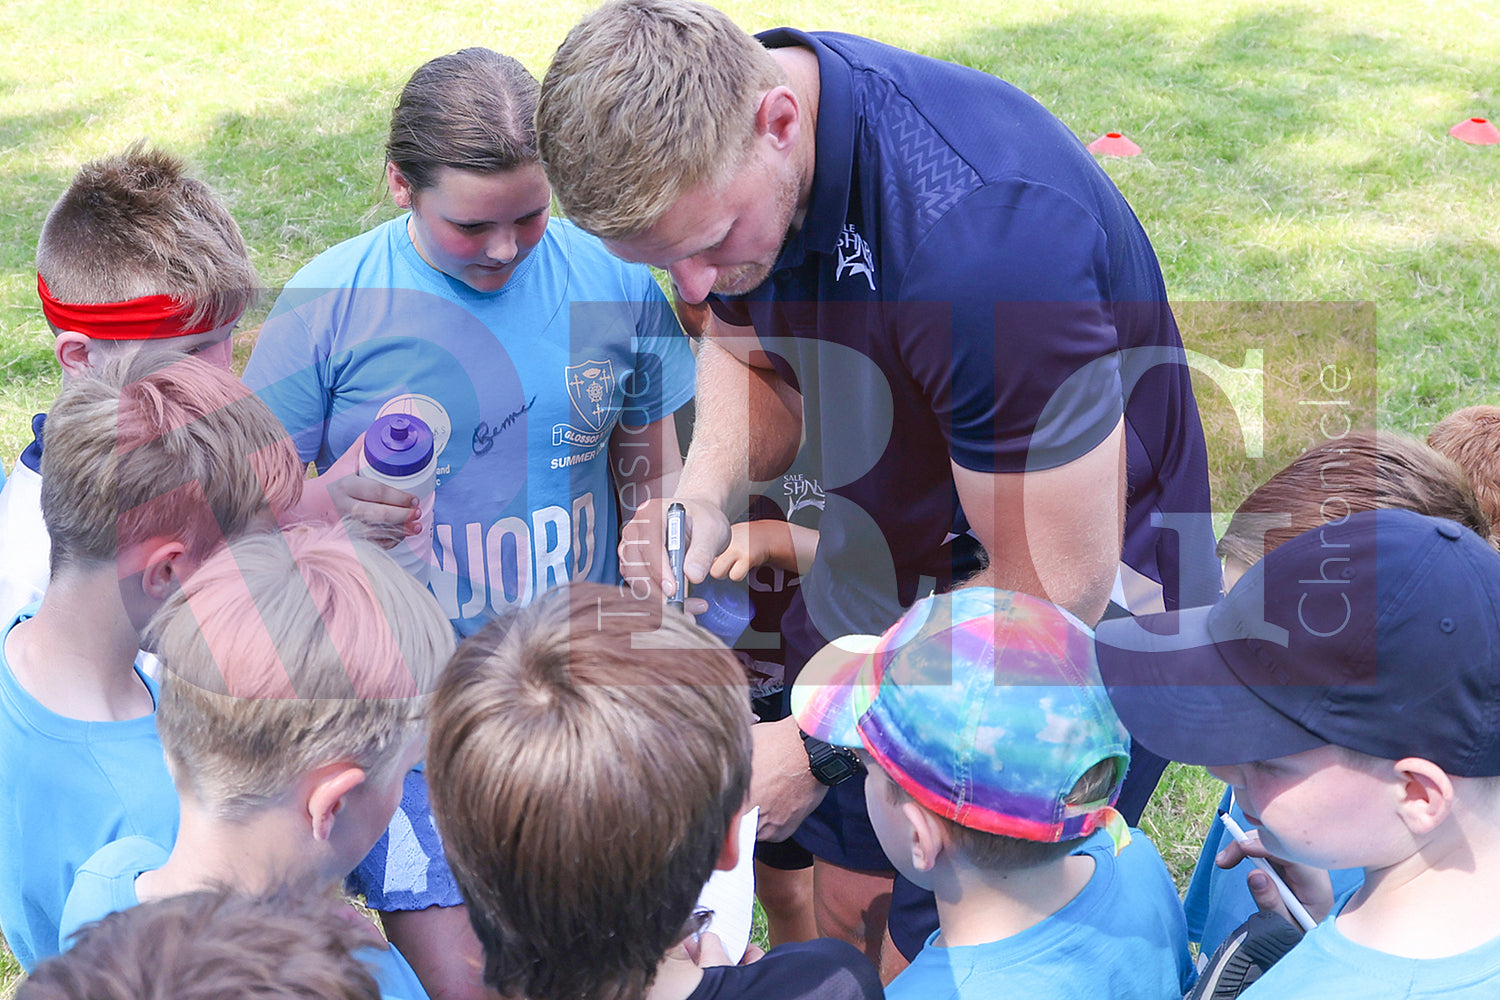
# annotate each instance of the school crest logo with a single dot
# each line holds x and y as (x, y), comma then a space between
(591, 387)
(855, 257)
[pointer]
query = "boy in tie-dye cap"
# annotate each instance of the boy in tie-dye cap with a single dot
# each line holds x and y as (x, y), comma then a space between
(994, 758)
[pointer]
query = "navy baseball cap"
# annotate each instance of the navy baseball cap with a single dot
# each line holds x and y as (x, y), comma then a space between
(1379, 633)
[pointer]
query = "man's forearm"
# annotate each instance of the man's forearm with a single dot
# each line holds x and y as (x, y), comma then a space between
(746, 427)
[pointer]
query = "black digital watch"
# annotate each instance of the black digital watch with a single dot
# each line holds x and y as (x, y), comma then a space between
(831, 765)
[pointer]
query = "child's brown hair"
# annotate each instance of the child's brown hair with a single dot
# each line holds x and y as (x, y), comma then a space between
(1471, 437)
(585, 772)
(136, 224)
(213, 945)
(1364, 470)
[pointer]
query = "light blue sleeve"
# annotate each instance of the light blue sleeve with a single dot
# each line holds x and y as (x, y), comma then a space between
(393, 974)
(287, 370)
(662, 352)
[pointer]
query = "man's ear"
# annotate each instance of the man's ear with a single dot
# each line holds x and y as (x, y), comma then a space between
(927, 836)
(401, 189)
(327, 789)
(1426, 794)
(778, 117)
(75, 352)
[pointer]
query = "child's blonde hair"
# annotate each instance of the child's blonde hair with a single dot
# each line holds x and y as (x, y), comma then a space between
(289, 650)
(135, 224)
(156, 443)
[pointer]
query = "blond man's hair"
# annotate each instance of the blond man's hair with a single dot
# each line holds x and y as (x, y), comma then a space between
(136, 224)
(585, 783)
(645, 101)
(287, 651)
(212, 945)
(156, 443)
(1471, 437)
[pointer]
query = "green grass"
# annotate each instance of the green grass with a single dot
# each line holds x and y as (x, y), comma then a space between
(1296, 154)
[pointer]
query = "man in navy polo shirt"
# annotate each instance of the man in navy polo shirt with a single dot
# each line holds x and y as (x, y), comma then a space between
(921, 269)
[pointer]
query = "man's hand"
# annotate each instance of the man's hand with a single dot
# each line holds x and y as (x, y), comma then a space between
(643, 548)
(1312, 886)
(780, 782)
(340, 491)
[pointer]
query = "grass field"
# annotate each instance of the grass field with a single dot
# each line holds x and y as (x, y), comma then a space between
(1332, 251)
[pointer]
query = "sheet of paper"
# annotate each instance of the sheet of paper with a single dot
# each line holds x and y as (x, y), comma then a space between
(731, 895)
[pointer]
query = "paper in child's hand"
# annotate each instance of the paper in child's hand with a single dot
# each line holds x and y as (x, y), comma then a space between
(731, 895)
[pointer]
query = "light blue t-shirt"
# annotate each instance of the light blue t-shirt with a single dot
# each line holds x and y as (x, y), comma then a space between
(106, 884)
(1325, 965)
(68, 787)
(523, 387)
(1122, 937)
(1218, 899)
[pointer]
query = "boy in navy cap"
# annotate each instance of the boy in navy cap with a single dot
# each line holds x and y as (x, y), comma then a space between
(994, 763)
(1348, 688)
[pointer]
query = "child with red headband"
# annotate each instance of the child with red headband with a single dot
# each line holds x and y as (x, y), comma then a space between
(135, 252)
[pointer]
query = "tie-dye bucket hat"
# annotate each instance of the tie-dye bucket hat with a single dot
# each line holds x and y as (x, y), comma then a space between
(985, 705)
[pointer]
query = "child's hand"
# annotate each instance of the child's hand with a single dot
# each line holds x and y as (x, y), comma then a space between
(391, 514)
(741, 556)
(1310, 885)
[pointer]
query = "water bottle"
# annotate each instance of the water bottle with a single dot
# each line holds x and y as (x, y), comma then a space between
(729, 611)
(399, 451)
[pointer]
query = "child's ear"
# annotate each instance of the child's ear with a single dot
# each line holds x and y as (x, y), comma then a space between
(75, 352)
(1426, 794)
(729, 854)
(166, 564)
(401, 189)
(329, 786)
(927, 836)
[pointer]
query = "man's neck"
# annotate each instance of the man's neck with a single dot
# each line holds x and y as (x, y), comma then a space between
(980, 907)
(76, 655)
(805, 80)
(1436, 903)
(253, 855)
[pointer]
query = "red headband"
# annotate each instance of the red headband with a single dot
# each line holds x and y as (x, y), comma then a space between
(150, 317)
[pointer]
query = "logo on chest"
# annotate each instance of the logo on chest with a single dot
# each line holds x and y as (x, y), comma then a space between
(591, 389)
(855, 257)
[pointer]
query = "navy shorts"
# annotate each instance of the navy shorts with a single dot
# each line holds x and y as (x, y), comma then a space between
(406, 869)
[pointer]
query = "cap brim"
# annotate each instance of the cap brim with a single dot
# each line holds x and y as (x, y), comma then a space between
(1172, 685)
(833, 690)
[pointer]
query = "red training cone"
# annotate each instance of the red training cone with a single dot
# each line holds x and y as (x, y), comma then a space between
(1114, 144)
(1476, 132)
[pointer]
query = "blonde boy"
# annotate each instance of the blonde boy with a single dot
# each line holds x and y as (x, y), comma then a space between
(994, 761)
(157, 458)
(213, 945)
(295, 666)
(134, 253)
(1346, 688)
(587, 786)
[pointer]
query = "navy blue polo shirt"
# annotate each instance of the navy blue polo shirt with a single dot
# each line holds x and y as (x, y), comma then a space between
(968, 283)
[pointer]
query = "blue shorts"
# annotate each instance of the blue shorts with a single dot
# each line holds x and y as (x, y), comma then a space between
(406, 869)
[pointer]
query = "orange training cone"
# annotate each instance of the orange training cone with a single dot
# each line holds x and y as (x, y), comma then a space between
(1476, 132)
(1114, 144)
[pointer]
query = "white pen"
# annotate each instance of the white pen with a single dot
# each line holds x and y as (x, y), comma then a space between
(1293, 904)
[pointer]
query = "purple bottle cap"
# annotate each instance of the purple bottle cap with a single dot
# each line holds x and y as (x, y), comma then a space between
(398, 444)
(729, 610)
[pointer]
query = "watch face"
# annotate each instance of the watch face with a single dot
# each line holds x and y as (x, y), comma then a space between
(836, 769)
